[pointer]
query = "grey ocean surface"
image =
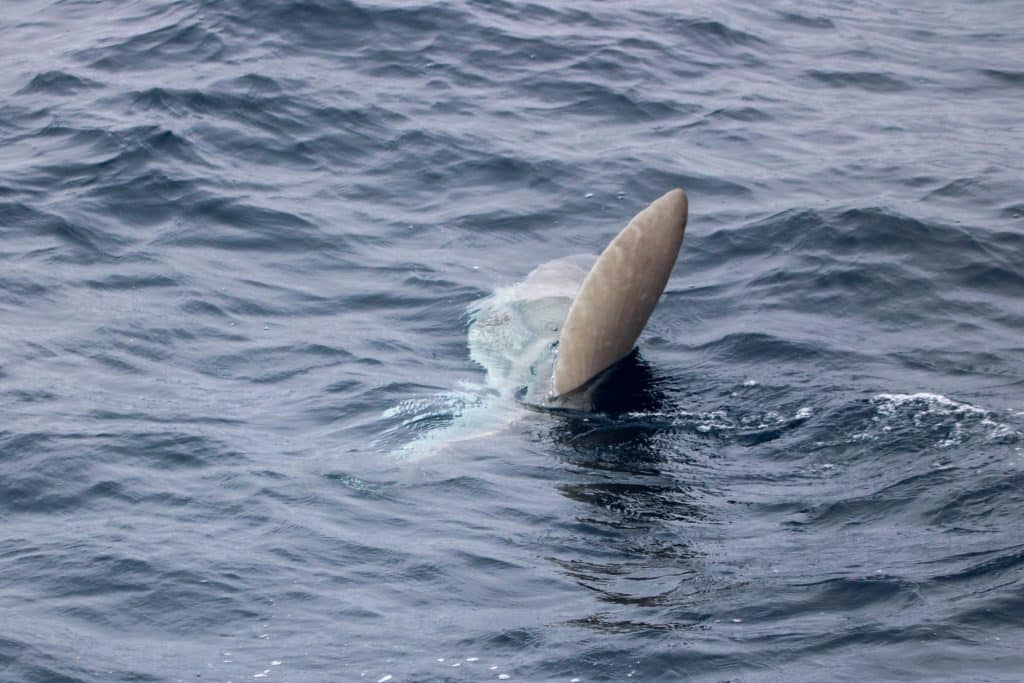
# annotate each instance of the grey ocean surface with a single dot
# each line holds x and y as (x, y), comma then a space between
(239, 244)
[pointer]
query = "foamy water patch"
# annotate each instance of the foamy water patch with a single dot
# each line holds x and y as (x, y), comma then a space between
(951, 422)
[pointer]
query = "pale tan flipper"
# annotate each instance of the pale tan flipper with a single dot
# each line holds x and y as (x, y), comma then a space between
(619, 293)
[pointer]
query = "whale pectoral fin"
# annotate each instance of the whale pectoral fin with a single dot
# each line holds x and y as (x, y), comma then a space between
(619, 293)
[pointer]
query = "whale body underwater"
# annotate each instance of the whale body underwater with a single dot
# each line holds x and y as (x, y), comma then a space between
(549, 341)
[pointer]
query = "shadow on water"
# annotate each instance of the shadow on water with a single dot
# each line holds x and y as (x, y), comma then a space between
(635, 540)
(626, 404)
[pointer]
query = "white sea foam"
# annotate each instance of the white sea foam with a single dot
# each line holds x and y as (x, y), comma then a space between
(955, 421)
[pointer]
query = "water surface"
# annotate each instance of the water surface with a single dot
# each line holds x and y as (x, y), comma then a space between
(240, 244)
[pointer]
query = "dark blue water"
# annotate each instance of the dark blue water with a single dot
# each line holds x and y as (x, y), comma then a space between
(239, 240)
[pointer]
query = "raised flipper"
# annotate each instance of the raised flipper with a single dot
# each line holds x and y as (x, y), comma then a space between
(619, 293)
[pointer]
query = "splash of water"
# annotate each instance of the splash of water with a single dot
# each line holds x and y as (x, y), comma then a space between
(512, 336)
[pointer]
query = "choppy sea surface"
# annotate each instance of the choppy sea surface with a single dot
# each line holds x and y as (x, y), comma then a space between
(238, 246)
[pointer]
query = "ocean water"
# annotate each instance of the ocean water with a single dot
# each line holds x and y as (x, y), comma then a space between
(244, 438)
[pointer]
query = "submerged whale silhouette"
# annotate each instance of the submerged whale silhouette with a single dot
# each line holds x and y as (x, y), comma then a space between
(551, 340)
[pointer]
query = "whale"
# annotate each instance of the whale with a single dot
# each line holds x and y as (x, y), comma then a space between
(549, 341)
